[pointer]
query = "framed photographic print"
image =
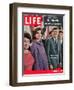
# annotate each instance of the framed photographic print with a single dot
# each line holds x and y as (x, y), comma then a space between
(40, 44)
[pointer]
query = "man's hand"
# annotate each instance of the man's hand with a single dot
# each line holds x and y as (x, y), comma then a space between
(51, 66)
(60, 65)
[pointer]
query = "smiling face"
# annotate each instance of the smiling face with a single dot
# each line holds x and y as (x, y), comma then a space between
(26, 43)
(61, 35)
(55, 32)
(38, 35)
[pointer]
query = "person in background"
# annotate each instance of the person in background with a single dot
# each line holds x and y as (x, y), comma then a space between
(61, 48)
(28, 58)
(38, 51)
(44, 37)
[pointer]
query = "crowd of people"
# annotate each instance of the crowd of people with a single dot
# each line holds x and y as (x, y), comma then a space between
(43, 53)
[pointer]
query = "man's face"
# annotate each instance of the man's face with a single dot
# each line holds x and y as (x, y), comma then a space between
(26, 43)
(61, 35)
(55, 33)
(38, 35)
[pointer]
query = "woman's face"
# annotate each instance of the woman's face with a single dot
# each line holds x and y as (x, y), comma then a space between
(26, 43)
(38, 35)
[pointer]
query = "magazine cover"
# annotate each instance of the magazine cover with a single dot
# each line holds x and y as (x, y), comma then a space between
(42, 43)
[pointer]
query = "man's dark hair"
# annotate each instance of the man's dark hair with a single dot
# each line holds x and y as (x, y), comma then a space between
(27, 35)
(61, 31)
(55, 28)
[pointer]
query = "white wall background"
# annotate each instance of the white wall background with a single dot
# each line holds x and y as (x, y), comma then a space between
(4, 45)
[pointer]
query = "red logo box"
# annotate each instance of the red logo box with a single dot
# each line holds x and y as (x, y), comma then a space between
(33, 20)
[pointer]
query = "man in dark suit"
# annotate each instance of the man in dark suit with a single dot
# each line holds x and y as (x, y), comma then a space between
(61, 48)
(52, 49)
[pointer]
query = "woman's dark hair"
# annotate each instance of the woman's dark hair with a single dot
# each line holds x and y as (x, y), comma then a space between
(34, 32)
(27, 35)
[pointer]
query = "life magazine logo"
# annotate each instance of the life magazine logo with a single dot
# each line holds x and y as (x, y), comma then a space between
(32, 20)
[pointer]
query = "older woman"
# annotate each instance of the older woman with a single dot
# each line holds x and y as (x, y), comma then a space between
(28, 58)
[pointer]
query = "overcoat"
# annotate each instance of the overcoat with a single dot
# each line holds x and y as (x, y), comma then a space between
(40, 57)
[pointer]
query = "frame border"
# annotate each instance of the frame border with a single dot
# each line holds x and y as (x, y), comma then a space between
(13, 43)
